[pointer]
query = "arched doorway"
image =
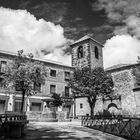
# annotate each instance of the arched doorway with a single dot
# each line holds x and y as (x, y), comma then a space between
(112, 108)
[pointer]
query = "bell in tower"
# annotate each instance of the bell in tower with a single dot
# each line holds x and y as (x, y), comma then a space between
(87, 52)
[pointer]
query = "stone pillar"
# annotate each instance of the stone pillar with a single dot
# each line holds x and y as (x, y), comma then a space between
(27, 105)
(10, 103)
(45, 106)
(74, 109)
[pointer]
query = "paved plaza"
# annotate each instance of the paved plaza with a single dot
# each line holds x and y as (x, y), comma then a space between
(64, 131)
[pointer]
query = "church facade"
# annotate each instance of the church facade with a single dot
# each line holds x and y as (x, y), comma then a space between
(126, 100)
(85, 52)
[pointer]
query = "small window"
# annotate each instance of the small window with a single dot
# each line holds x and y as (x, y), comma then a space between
(53, 73)
(80, 52)
(67, 76)
(66, 91)
(2, 106)
(3, 66)
(96, 53)
(37, 86)
(81, 105)
(52, 88)
(17, 107)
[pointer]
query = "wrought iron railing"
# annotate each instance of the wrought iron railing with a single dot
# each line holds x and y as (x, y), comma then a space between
(121, 126)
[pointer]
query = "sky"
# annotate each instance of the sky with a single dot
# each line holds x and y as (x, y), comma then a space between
(47, 27)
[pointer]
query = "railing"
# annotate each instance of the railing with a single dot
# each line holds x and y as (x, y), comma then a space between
(4, 118)
(12, 125)
(121, 126)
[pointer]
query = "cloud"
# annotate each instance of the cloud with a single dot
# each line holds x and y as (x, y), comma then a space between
(58, 55)
(125, 19)
(121, 49)
(21, 30)
(132, 27)
(115, 9)
(54, 11)
(124, 46)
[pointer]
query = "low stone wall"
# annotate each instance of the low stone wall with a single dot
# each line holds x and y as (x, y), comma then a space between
(47, 116)
(62, 115)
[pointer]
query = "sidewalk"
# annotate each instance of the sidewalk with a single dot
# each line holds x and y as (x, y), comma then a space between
(64, 131)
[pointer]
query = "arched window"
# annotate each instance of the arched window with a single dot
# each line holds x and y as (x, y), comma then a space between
(80, 52)
(112, 105)
(96, 53)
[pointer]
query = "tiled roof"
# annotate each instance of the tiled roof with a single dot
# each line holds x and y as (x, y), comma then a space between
(121, 66)
(85, 38)
(116, 66)
(38, 59)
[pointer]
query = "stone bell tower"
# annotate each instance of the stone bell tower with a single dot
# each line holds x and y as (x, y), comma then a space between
(87, 52)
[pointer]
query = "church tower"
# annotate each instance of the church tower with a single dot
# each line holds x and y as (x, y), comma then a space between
(87, 52)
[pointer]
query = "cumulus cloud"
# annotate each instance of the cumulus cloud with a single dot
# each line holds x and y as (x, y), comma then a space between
(21, 30)
(121, 49)
(58, 55)
(122, 13)
(124, 46)
(118, 9)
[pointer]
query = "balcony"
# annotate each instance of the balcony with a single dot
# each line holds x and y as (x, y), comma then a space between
(67, 98)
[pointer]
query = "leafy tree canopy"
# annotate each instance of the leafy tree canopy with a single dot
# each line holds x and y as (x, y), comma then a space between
(23, 72)
(91, 83)
(57, 101)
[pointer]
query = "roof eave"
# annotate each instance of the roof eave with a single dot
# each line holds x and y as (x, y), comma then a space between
(85, 40)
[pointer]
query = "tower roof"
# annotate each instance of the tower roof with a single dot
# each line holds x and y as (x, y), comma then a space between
(86, 37)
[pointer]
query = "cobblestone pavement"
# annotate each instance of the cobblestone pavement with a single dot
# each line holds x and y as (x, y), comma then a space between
(64, 131)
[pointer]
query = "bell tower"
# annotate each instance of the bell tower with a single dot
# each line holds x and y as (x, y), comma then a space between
(87, 52)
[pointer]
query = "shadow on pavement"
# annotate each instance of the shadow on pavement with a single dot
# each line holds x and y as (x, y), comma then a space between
(57, 131)
(48, 133)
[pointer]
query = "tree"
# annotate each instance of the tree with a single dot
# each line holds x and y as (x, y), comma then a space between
(23, 74)
(91, 84)
(56, 100)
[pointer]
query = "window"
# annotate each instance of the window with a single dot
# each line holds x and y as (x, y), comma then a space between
(35, 106)
(1, 83)
(66, 91)
(3, 66)
(2, 106)
(81, 105)
(53, 73)
(67, 76)
(80, 52)
(17, 106)
(52, 88)
(96, 53)
(37, 86)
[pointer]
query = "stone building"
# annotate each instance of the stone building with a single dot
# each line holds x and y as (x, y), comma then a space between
(85, 52)
(56, 82)
(126, 86)
(126, 100)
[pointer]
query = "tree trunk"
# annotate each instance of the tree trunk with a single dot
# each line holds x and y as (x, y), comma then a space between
(91, 102)
(91, 110)
(22, 102)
